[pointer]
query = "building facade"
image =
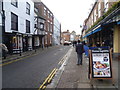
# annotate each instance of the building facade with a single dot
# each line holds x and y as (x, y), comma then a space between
(103, 25)
(39, 31)
(65, 36)
(19, 25)
(72, 36)
(48, 25)
(56, 32)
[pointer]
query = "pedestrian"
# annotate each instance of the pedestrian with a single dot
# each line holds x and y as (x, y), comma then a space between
(80, 51)
(73, 43)
(86, 48)
(4, 50)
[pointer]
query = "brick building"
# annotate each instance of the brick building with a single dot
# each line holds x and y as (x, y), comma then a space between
(65, 36)
(48, 25)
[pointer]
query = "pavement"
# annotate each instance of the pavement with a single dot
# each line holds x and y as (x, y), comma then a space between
(76, 76)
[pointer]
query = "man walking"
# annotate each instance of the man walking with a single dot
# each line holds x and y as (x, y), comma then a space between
(79, 50)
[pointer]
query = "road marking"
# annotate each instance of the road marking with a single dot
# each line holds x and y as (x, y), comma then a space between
(44, 87)
(62, 59)
(47, 79)
(12, 61)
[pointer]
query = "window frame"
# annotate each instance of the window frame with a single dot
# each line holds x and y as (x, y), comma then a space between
(27, 8)
(27, 26)
(14, 22)
(14, 3)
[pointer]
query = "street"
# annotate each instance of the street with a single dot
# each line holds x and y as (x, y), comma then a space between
(46, 46)
(32, 71)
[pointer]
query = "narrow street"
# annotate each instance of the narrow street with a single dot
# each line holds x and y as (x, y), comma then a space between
(59, 44)
(32, 71)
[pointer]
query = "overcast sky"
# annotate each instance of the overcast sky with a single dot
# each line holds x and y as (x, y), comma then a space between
(70, 13)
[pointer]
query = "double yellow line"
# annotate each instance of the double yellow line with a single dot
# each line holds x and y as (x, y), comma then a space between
(62, 60)
(48, 79)
(12, 61)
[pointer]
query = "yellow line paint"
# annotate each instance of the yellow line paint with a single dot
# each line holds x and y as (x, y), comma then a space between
(12, 61)
(44, 87)
(52, 76)
(47, 78)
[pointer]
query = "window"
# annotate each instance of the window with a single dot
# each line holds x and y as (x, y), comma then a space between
(14, 22)
(51, 27)
(41, 26)
(48, 26)
(106, 5)
(48, 14)
(44, 26)
(36, 9)
(14, 3)
(28, 8)
(99, 9)
(45, 11)
(95, 15)
(27, 26)
(51, 16)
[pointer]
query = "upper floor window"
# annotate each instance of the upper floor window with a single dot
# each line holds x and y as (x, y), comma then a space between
(45, 11)
(27, 26)
(14, 21)
(106, 5)
(27, 8)
(51, 16)
(44, 26)
(41, 26)
(99, 9)
(36, 9)
(14, 3)
(95, 15)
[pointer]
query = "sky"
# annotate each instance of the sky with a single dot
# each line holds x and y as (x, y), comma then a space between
(70, 13)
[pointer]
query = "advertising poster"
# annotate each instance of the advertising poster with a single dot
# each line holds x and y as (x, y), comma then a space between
(101, 65)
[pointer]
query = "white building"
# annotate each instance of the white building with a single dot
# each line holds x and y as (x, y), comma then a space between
(56, 32)
(19, 24)
(72, 36)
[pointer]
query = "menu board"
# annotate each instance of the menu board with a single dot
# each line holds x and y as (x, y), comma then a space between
(101, 65)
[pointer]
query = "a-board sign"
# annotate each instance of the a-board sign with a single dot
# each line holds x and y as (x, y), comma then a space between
(101, 63)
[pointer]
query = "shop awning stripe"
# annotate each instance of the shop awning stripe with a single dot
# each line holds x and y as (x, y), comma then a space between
(96, 30)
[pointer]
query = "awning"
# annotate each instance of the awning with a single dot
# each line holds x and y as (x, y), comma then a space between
(93, 31)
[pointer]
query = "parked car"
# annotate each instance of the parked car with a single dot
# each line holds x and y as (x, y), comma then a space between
(67, 43)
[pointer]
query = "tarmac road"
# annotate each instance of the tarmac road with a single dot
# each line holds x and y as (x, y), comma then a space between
(30, 72)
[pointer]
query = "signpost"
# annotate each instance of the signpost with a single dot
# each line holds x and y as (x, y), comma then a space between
(100, 64)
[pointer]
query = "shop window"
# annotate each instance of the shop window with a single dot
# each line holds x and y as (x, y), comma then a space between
(14, 22)
(14, 42)
(27, 26)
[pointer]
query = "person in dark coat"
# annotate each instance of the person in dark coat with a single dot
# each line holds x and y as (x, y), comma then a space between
(80, 51)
